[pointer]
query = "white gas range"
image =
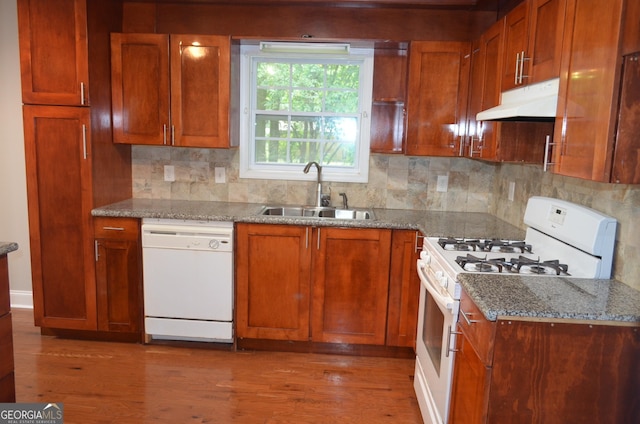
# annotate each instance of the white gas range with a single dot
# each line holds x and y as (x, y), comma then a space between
(562, 239)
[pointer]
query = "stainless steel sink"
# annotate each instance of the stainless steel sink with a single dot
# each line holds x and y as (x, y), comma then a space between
(316, 212)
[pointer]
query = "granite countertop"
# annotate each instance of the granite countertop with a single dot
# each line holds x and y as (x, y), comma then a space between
(430, 223)
(552, 297)
(7, 247)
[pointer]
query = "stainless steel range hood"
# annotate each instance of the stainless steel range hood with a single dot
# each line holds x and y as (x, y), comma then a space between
(532, 102)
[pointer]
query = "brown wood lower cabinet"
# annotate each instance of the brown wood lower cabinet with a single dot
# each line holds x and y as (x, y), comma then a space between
(7, 379)
(524, 371)
(350, 285)
(321, 285)
(273, 277)
(118, 274)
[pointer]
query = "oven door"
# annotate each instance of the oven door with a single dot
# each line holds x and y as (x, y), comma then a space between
(434, 363)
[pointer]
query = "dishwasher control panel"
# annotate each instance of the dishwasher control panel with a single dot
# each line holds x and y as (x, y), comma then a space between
(189, 235)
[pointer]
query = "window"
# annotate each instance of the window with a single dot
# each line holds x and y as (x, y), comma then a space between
(305, 102)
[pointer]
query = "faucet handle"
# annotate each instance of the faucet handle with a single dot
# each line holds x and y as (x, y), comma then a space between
(345, 201)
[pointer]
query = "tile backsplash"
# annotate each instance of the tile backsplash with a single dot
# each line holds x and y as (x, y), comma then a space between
(399, 182)
(621, 201)
(395, 181)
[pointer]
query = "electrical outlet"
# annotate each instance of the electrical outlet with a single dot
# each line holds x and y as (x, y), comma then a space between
(169, 173)
(219, 175)
(512, 190)
(442, 184)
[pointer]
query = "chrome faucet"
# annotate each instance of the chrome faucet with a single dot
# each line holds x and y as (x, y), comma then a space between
(319, 189)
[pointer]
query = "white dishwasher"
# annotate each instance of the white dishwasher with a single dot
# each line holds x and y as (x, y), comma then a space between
(188, 280)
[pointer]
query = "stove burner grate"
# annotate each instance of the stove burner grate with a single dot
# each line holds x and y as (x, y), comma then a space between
(487, 245)
(523, 265)
(474, 263)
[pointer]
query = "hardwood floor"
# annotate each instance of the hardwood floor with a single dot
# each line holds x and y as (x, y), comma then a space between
(101, 382)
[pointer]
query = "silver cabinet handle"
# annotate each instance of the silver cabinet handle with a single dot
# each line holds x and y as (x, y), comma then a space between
(173, 135)
(318, 243)
(547, 152)
(417, 248)
(466, 318)
(449, 349)
(95, 244)
(164, 134)
(84, 141)
(82, 99)
(306, 238)
(113, 228)
(522, 59)
(515, 81)
(471, 151)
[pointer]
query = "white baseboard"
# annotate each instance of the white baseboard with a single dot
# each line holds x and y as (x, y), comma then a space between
(21, 299)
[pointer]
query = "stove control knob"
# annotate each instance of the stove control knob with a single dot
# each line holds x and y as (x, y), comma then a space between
(426, 257)
(444, 281)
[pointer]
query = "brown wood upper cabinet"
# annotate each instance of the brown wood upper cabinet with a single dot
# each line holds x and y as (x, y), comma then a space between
(170, 89)
(389, 94)
(437, 97)
(596, 136)
(491, 140)
(54, 64)
(533, 34)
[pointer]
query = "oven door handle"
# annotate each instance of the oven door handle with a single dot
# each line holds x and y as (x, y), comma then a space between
(442, 300)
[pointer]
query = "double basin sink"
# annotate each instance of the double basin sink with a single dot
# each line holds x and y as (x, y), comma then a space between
(316, 212)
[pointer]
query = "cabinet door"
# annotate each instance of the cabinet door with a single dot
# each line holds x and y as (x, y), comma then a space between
(200, 80)
(546, 29)
(437, 97)
(626, 161)
(469, 394)
(53, 52)
(404, 290)
(272, 281)
(118, 274)
(387, 110)
(7, 383)
(350, 285)
(515, 43)
(584, 135)
(140, 88)
(59, 190)
(486, 67)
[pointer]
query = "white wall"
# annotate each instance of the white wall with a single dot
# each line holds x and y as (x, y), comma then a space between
(14, 226)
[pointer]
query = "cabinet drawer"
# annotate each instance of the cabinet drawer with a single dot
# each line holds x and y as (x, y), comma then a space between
(120, 228)
(477, 328)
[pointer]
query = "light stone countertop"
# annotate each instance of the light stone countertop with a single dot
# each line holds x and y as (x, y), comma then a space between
(495, 295)
(530, 296)
(7, 247)
(430, 223)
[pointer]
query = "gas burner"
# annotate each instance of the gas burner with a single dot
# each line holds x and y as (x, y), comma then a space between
(504, 246)
(460, 244)
(476, 264)
(525, 265)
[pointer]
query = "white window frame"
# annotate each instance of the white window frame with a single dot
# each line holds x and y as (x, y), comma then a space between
(248, 167)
